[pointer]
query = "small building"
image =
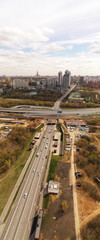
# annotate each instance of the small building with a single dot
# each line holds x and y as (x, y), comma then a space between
(55, 138)
(75, 123)
(37, 135)
(53, 187)
(20, 83)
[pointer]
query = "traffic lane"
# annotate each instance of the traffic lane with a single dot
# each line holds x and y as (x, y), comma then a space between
(20, 204)
(28, 210)
(36, 159)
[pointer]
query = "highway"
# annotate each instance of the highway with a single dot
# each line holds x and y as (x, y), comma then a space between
(53, 113)
(18, 225)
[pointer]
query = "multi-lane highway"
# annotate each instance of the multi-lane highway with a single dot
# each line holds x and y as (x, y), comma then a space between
(18, 225)
(52, 113)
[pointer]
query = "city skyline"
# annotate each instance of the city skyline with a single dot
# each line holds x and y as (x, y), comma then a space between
(50, 36)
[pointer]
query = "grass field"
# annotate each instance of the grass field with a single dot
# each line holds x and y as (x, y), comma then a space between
(9, 179)
(53, 166)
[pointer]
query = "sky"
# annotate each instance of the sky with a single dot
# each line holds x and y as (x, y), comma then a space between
(49, 36)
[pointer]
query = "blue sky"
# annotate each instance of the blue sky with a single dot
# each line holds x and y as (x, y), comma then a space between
(49, 36)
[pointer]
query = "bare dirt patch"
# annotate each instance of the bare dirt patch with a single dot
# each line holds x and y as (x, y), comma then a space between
(58, 224)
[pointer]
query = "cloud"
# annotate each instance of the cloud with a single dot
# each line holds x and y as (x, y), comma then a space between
(12, 37)
(94, 49)
(49, 35)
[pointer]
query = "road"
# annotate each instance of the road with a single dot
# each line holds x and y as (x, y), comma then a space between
(18, 225)
(53, 113)
(75, 202)
(57, 103)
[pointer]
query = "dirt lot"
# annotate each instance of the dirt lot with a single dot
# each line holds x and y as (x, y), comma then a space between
(57, 224)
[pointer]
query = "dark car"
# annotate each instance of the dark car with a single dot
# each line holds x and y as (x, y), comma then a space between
(78, 174)
(29, 149)
(55, 145)
(55, 150)
(78, 184)
(33, 143)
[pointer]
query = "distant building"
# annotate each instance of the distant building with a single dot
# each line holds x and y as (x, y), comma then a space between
(48, 82)
(59, 79)
(94, 84)
(43, 82)
(66, 79)
(20, 83)
(38, 84)
(81, 81)
(54, 82)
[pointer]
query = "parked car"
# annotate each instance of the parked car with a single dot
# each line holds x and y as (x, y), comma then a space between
(29, 149)
(33, 143)
(78, 174)
(78, 184)
(55, 150)
(55, 145)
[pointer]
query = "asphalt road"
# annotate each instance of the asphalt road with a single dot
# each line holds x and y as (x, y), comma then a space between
(57, 103)
(18, 225)
(53, 113)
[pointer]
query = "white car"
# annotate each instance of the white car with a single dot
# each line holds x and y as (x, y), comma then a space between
(45, 146)
(34, 170)
(38, 173)
(25, 195)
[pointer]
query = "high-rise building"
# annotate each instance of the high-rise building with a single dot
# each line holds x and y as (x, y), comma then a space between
(66, 79)
(48, 82)
(59, 79)
(43, 82)
(54, 82)
(81, 81)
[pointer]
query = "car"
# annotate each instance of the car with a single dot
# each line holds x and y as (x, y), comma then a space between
(29, 149)
(78, 174)
(25, 195)
(46, 156)
(55, 145)
(34, 170)
(78, 184)
(55, 150)
(37, 154)
(46, 146)
(38, 173)
(33, 143)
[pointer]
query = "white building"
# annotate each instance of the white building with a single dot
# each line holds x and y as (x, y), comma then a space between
(53, 187)
(20, 83)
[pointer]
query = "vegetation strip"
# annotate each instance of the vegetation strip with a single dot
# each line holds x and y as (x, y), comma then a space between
(19, 187)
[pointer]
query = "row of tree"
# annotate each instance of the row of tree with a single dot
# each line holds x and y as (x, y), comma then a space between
(88, 157)
(11, 148)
